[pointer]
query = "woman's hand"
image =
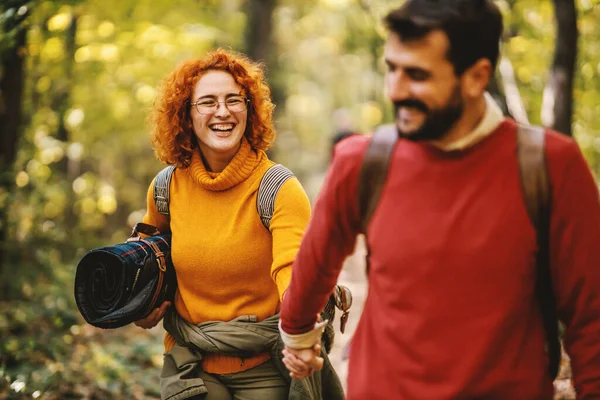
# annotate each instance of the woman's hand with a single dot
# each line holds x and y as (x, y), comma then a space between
(154, 317)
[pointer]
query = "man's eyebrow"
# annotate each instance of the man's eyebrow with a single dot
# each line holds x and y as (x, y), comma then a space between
(410, 69)
(418, 69)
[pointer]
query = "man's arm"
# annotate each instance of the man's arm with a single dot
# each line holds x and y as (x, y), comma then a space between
(290, 218)
(575, 261)
(330, 237)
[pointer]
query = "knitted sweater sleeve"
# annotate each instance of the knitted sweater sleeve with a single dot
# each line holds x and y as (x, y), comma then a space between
(152, 216)
(289, 221)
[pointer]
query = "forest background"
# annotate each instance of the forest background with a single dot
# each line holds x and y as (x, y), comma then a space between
(77, 78)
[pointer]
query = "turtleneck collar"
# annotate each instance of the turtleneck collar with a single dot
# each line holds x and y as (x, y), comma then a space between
(238, 169)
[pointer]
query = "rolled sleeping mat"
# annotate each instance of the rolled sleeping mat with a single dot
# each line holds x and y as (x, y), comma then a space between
(120, 284)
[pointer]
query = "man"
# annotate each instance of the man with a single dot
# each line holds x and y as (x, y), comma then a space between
(451, 311)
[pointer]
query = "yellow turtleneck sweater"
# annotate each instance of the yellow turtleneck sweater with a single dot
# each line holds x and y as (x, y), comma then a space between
(228, 264)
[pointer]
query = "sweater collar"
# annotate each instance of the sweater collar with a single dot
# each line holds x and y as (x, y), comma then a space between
(239, 169)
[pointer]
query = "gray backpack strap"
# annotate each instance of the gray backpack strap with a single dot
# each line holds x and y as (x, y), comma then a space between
(531, 153)
(374, 170)
(162, 182)
(270, 184)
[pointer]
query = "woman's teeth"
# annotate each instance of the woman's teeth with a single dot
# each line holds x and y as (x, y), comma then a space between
(222, 127)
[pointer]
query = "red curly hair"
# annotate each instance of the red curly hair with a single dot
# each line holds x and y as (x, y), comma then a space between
(172, 133)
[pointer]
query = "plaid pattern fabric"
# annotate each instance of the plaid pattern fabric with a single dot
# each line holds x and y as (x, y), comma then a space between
(119, 284)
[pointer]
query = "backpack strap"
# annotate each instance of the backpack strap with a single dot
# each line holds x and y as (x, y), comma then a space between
(270, 184)
(374, 170)
(162, 183)
(531, 145)
(373, 173)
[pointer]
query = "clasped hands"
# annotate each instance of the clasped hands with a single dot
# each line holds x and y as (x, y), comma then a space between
(302, 363)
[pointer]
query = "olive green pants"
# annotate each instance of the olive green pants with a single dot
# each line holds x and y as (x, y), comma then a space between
(263, 382)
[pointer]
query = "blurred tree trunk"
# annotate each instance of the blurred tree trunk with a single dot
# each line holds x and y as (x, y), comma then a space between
(62, 93)
(259, 30)
(11, 96)
(61, 101)
(557, 105)
(259, 45)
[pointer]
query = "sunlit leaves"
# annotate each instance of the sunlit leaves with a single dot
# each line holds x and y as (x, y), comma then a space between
(60, 21)
(106, 29)
(145, 94)
(336, 3)
(74, 117)
(371, 113)
(22, 179)
(53, 50)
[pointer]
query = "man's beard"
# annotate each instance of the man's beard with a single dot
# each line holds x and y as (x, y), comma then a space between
(438, 122)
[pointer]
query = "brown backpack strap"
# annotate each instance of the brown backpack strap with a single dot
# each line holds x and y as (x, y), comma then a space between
(534, 178)
(146, 229)
(531, 153)
(374, 171)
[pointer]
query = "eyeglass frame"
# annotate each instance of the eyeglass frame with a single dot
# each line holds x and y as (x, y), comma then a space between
(195, 104)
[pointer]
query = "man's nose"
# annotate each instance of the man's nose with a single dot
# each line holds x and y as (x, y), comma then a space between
(398, 86)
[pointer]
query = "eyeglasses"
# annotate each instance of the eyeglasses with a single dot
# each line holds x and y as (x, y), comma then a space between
(210, 106)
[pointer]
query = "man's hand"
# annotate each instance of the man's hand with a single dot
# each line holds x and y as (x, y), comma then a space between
(302, 363)
(154, 317)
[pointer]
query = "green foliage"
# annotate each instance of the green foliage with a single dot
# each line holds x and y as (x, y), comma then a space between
(74, 362)
(46, 349)
(13, 13)
(530, 47)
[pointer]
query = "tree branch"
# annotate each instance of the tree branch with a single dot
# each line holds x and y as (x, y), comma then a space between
(514, 101)
(557, 104)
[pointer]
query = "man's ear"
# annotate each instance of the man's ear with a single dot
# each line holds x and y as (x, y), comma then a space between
(476, 79)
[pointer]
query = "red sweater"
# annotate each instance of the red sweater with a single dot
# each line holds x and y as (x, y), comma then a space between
(451, 311)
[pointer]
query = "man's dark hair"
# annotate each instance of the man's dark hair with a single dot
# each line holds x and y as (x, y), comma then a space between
(473, 27)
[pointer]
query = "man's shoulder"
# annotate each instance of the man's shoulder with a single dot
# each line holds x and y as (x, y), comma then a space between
(560, 148)
(352, 147)
(559, 142)
(347, 160)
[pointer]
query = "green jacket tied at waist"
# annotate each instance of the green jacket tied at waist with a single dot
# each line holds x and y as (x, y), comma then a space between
(241, 337)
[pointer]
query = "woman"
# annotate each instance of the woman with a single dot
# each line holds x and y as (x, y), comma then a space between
(213, 121)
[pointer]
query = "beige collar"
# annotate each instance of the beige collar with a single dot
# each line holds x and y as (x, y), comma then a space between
(492, 118)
